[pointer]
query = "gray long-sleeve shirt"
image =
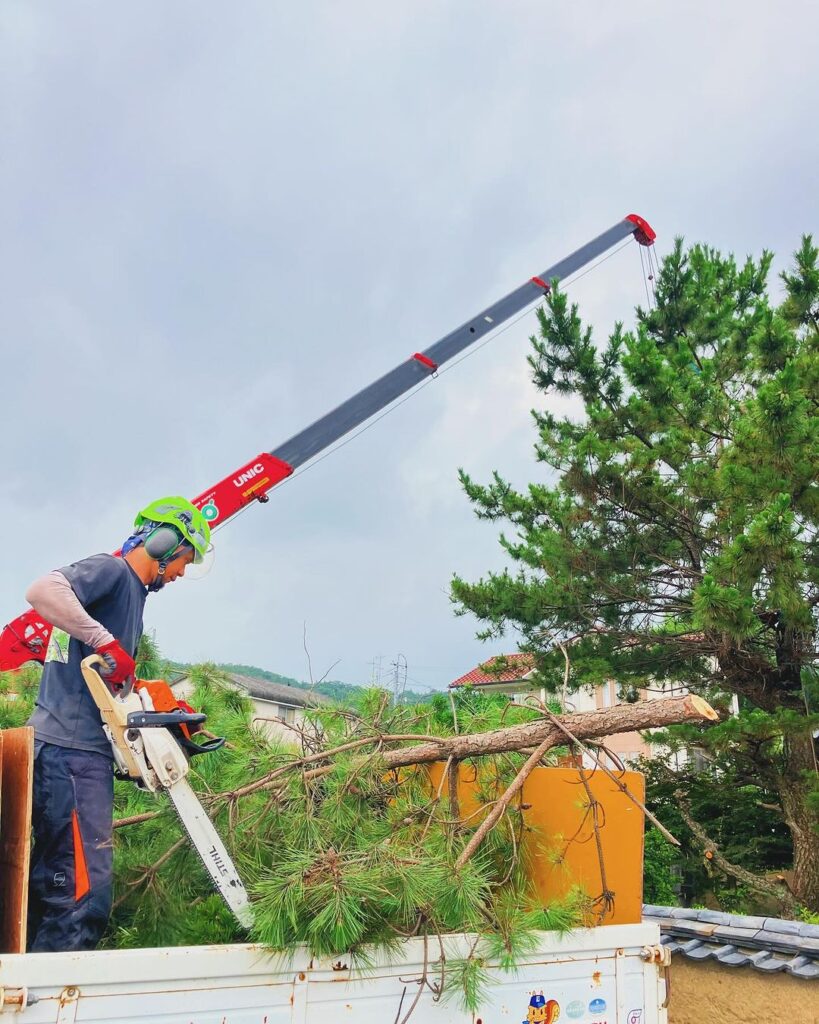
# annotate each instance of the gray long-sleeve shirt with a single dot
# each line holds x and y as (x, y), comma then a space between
(54, 599)
(108, 600)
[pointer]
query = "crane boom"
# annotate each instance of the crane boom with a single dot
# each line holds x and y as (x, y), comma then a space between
(26, 637)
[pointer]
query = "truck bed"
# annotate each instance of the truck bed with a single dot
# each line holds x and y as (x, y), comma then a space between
(606, 975)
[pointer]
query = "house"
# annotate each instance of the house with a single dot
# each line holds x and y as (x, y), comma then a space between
(505, 673)
(278, 710)
(515, 675)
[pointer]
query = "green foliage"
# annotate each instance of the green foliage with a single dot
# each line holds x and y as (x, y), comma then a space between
(469, 981)
(149, 661)
(740, 817)
(659, 879)
(18, 690)
(353, 856)
(677, 537)
(477, 711)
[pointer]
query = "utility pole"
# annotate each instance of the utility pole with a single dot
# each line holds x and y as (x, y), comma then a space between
(375, 670)
(399, 678)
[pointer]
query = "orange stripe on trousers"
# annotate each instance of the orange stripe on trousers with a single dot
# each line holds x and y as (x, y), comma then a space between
(81, 882)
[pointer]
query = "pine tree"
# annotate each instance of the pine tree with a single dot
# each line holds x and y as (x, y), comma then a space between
(672, 534)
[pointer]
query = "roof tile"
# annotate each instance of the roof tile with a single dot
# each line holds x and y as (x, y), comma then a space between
(765, 961)
(696, 950)
(804, 967)
(516, 666)
(770, 945)
(776, 924)
(746, 921)
(736, 935)
(731, 956)
(712, 916)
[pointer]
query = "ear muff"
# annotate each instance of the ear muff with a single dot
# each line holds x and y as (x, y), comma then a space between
(162, 542)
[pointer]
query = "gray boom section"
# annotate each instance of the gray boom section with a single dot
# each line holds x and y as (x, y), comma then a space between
(377, 396)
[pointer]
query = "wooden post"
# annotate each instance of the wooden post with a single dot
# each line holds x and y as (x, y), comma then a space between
(16, 779)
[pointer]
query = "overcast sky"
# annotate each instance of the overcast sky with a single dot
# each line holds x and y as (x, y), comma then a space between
(217, 221)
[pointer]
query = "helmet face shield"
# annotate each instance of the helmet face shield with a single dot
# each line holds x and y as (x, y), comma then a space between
(201, 565)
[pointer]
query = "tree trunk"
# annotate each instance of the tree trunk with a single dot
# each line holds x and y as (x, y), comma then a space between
(645, 714)
(795, 785)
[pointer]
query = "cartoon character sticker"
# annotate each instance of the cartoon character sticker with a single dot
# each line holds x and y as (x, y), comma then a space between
(542, 1010)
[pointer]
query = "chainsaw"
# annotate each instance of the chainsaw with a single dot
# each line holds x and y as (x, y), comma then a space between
(151, 735)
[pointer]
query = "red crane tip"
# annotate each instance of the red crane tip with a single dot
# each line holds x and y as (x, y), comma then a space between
(643, 232)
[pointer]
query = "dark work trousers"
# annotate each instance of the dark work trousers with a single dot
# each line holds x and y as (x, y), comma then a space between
(72, 857)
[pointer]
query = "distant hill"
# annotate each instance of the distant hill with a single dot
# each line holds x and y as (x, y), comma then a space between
(344, 693)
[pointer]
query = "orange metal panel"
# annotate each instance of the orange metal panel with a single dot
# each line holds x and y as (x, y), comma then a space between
(559, 811)
(561, 847)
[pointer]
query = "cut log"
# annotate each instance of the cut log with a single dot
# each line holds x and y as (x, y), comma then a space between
(645, 714)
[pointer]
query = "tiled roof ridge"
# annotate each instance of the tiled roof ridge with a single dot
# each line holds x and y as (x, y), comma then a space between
(769, 944)
(483, 672)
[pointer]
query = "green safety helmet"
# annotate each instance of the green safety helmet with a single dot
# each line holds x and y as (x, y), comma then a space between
(184, 517)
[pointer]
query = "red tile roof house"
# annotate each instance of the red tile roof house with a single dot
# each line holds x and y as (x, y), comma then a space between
(501, 674)
(515, 675)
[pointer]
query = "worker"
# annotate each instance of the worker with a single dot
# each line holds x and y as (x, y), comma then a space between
(95, 605)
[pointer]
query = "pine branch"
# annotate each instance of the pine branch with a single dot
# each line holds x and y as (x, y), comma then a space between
(497, 811)
(712, 853)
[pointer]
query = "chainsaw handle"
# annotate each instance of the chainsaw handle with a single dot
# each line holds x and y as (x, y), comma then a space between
(98, 664)
(192, 749)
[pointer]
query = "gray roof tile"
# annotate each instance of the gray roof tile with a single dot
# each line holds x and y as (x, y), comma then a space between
(696, 950)
(730, 955)
(804, 967)
(737, 935)
(765, 961)
(745, 921)
(770, 945)
(776, 924)
(712, 916)
(264, 689)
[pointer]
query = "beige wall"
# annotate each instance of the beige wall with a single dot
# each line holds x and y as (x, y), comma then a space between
(266, 717)
(708, 993)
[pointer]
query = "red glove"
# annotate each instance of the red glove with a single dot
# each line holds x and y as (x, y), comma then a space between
(120, 664)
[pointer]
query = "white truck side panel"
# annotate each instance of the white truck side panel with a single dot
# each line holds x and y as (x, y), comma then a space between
(597, 976)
